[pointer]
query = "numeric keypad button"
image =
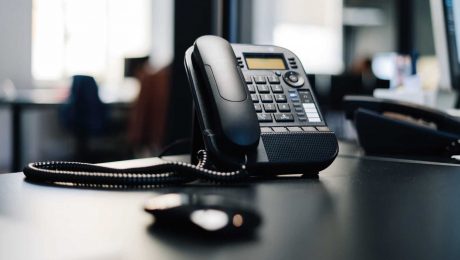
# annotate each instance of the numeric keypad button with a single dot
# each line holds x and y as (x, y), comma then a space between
(264, 117)
(273, 79)
(251, 88)
(254, 98)
(258, 107)
(284, 117)
(260, 79)
(266, 98)
(248, 79)
(270, 107)
(280, 98)
(284, 108)
(263, 89)
(277, 89)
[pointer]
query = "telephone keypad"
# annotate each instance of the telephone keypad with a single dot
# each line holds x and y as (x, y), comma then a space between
(276, 101)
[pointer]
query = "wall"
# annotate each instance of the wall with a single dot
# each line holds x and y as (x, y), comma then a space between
(15, 41)
(370, 40)
(15, 60)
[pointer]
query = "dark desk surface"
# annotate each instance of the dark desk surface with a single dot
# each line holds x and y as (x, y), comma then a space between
(358, 208)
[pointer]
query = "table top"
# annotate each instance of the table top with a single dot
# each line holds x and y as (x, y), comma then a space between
(358, 208)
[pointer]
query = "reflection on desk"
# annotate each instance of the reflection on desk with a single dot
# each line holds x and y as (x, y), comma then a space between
(358, 208)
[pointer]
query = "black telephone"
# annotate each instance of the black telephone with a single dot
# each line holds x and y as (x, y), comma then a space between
(388, 127)
(256, 112)
(255, 107)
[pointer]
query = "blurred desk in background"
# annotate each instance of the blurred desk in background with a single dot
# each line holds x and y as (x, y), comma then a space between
(36, 99)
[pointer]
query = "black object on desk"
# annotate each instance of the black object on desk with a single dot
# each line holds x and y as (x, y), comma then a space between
(388, 127)
(202, 215)
(358, 208)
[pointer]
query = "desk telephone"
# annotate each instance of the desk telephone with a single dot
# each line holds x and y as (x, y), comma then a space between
(389, 127)
(256, 113)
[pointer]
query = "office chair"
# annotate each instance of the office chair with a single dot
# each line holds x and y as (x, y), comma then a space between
(84, 114)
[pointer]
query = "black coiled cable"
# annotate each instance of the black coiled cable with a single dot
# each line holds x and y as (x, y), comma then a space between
(163, 173)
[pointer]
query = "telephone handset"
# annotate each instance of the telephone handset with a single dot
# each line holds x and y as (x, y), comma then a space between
(256, 113)
(235, 120)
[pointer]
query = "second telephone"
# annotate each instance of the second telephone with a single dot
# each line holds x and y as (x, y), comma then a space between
(255, 107)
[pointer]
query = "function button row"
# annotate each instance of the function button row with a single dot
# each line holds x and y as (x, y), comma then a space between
(294, 129)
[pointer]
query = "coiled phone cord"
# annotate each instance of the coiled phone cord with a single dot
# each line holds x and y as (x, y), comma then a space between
(163, 173)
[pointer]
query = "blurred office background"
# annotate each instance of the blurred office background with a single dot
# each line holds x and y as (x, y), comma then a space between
(134, 50)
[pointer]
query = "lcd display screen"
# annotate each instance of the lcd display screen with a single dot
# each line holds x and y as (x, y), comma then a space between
(265, 63)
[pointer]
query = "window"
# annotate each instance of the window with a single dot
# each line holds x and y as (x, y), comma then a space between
(88, 37)
(312, 29)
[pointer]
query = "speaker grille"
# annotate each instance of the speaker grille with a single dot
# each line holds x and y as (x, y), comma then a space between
(300, 147)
